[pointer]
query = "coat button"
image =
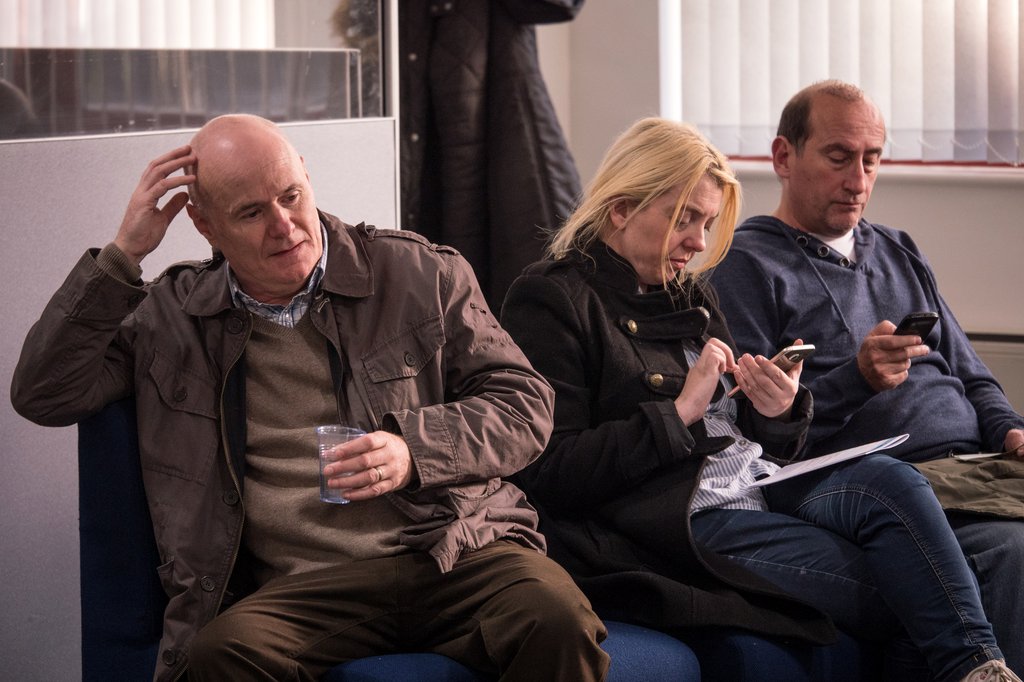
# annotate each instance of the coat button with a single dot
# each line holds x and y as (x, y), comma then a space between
(207, 583)
(845, 262)
(656, 380)
(410, 359)
(632, 326)
(802, 240)
(230, 497)
(822, 251)
(169, 656)
(235, 326)
(180, 393)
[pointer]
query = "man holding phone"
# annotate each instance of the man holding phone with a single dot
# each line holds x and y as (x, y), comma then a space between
(818, 271)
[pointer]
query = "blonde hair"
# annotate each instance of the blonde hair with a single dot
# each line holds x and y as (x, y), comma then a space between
(652, 156)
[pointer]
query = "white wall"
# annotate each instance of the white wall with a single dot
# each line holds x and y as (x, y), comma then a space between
(612, 76)
(967, 220)
(60, 197)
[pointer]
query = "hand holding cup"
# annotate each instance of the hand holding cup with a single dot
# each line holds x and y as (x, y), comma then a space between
(329, 437)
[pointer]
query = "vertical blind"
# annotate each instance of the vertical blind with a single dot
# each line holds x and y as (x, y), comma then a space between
(945, 73)
(179, 24)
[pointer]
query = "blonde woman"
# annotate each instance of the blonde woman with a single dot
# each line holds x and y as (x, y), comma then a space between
(645, 486)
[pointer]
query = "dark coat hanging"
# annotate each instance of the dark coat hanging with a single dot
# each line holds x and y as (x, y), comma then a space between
(484, 165)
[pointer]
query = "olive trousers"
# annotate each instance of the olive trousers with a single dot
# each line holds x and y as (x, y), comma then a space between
(504, 610)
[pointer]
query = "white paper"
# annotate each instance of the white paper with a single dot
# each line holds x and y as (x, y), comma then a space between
(980, 455)
(791, 470)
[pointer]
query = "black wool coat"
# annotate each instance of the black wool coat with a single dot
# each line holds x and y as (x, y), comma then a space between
(485, 167)
(615, 482)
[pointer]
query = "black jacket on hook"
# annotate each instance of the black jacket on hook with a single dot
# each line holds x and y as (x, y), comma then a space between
(484, 165)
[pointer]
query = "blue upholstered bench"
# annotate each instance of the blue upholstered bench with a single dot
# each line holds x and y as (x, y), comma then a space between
(123, 602)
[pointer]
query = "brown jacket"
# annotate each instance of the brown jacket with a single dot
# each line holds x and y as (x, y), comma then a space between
(413, 350)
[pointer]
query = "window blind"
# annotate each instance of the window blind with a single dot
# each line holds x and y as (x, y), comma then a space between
(177, 24)
(945, 73)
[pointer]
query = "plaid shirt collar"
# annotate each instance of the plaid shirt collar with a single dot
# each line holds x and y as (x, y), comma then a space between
(284, 315)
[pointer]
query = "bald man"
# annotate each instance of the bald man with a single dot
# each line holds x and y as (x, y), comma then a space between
(300, 319)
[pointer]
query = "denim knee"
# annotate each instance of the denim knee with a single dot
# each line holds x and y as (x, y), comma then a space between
(887, 476)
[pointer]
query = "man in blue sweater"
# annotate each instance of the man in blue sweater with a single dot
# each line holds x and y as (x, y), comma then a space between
(817, 270)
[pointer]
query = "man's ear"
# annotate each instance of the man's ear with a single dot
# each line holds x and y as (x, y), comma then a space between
(782, 154)
(201, 223)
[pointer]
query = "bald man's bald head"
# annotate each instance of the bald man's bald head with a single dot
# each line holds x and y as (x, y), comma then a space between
(252, 201)
(225, 138)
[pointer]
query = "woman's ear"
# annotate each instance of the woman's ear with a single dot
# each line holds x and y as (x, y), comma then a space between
(620, 211)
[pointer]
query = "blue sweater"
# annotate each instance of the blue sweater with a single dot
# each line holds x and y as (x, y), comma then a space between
(778, 284)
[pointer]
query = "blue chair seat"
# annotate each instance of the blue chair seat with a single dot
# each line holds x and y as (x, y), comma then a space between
(733, 655)
(638, 654)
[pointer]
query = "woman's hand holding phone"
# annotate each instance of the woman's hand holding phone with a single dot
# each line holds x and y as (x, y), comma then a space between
(772, 385)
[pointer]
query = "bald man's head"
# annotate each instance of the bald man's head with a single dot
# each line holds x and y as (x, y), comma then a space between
(252, 201)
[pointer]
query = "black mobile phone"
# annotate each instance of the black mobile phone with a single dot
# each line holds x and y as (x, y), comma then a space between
(790, 355)
(785, 359)
(917, 324)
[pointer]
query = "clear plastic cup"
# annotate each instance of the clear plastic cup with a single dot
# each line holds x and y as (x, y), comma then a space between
(328, 437)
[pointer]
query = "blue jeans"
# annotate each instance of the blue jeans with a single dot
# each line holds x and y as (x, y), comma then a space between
(995, 552)
(866, 542)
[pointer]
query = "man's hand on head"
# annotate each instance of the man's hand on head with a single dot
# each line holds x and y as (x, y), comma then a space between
(145, 223)
(884, 358)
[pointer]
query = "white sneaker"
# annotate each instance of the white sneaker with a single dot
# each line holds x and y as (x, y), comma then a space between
(992, 671)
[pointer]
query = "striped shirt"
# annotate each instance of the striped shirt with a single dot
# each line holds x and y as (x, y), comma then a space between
(727, 475)
(284, 315)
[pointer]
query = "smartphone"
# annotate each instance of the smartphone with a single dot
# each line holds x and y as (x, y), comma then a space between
(917, 324)
(785, 359)
(791, 355)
